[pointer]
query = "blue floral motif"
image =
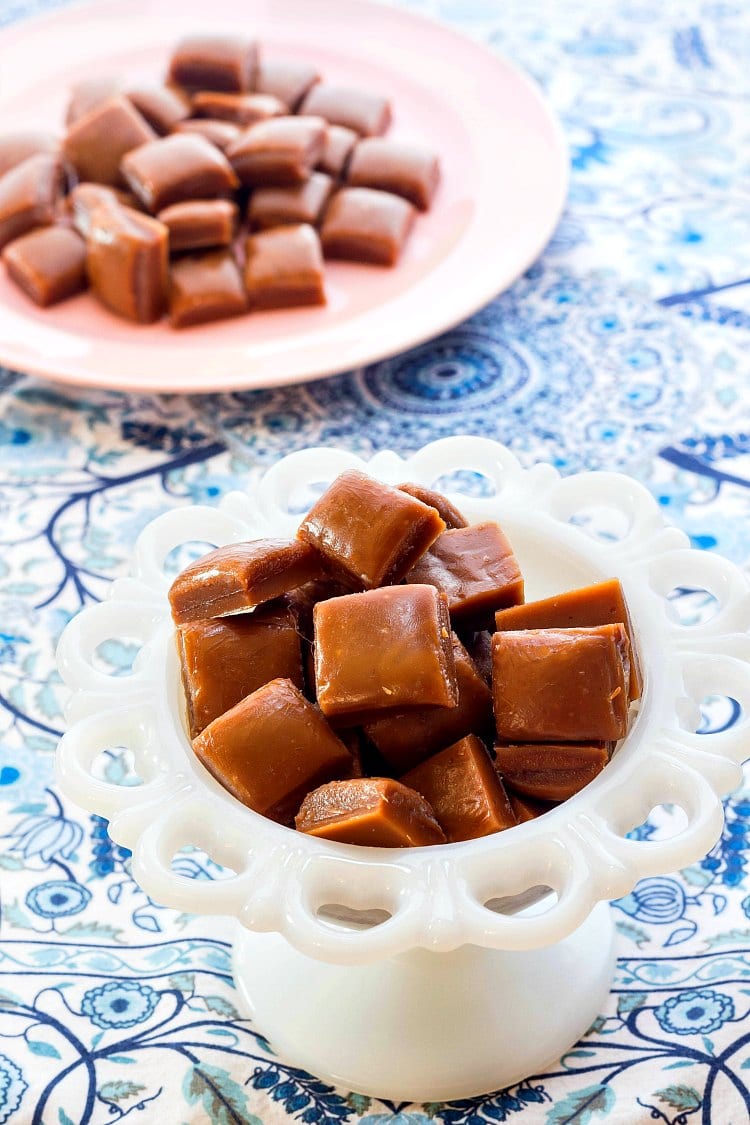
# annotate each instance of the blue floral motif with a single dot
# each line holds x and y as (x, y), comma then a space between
(695, 1012)
(12, 1088)
(119, 1003)
(58, 898)
(44, 837)
(657, 900)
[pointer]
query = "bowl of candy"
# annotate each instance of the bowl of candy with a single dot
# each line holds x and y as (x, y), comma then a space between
(417, 728)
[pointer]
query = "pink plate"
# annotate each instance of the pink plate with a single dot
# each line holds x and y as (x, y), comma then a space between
(504, 184)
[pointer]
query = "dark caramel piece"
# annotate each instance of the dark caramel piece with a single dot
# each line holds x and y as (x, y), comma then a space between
(226, 659)
(287, 81)
(87, 198)
(29, 195)
(383, 649)
(240, 576)
(271, 749)
(17, 147)
(526, 808)
(364, 225)
(127, 261)
(96, 143)
(407, 170)
(282, 151)
(372, 811)
(448, 512)
(49, 265)
(162, 106)
(200, 223)
(177, 168)
(284, 268)
(601, 604)
(405, 738)
(240, 109)
(370, 534)
(550, 771)
(215, 62)
(280, 206)
(475, 567)
(221, 134)
(565, 685)
(463, 790)
(337, 149)
(89, 94)
(367, 114)
(205, 287)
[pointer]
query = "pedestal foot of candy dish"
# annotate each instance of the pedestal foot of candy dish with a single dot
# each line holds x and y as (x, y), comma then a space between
(427, 1027)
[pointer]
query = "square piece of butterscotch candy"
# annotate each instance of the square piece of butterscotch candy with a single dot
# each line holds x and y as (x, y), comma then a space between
(215, 62)
(282, 151)
(365, 225)
(407, 170)
(369, 533)
(48, 264)
(383, 649)
(96, 143)
(203, 287)
(177, 168)
(280, 206)
(284, 268)
(366, 113)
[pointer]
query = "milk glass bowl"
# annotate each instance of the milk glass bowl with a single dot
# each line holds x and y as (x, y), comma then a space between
(438, 972)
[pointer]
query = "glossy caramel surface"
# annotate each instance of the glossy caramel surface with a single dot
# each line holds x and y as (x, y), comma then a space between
(366, 113)
(162, 106)
(127, 256)
(337, 149)
(281, 151)
(365, 225)
(288, 81)
(373, 811)
(550, 771)
(176, 168)
(404, 169)
(203, 287)
(447, 511)
(96, 142)
(200, 223)
(29, 195)
(284, 268)
(279, 206)
(240, 109)
(214, 62)
(48, 264)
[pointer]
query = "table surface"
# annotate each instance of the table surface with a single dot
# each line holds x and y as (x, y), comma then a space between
(625, 347)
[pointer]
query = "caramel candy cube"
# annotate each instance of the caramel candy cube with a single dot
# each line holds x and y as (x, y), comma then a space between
(176, 168)
(127, 261)
(284, 268)
(406, 170)
(601, 604)
(383, 649)
(29, 195)
(281, 151)
(287, 81)
(568, 685)
(226, 659)
(239, 576)
(96, 143)
(205, 287)
(476, 568)
(370, 534)
(215, 62)
(337, 149)
(280, 206)
(48, 264)
(17, 147)
(550, 771)
(200, 223)
(303, 600)
(271, 749)
(526, 808)
(447, 511)
(240, 109)
(464, 791)
(162, 106)
(364, 225)
(405, 738)
(85, 199)
(375, 812)
(90, 94)
(221, 134)
(367, 114)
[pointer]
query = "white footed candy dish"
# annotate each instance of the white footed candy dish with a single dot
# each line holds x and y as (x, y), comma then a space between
(440, 972)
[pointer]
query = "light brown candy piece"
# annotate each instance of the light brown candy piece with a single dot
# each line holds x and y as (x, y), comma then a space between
(225, 659)
(405, 738)
(370, 534)
(96, 143)
(176, 168)
(215, 62)
(221, 134)
(87, 198)
(600, 604)
(447, 511)
(550, 771)
(288, 81)
(365, 225)
(29, 195)
(407, 170)
(204, 287)
(17, 147)
(200, 223)
(89, 94)
(526, 808)
(49, 265)
(127, 261)
(375, 812)
(241, 576)
(475, 567)
(383, 649)
(240, 109)
(561, 685)
(281, 206)
(366, 113)
(281, 151)
(337, 149)
(163, 107)
(271, 749)
(284, 268)
(464, 791)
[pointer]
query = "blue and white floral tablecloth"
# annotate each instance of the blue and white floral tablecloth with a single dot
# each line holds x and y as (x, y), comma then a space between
(626, 347)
